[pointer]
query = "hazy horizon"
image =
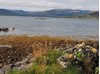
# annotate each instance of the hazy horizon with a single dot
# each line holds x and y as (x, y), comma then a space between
(42, 5)
(42, 10)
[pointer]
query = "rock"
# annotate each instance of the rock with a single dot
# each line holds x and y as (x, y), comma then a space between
(94, 50)
(70, 49)
(62, 62)
(1, 65)
(27, 62)
(82, 45)
(97, 70)
(5, 46)
(24, 63)
(13, 28)
(2, 71)
(4, 29)
(84, 56)
(88, 47)
(77, 62)
(68, 56)
(65, 60)
(12, 66)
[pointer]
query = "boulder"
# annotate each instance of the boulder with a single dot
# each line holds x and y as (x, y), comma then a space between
(4, 29)
(65, 60)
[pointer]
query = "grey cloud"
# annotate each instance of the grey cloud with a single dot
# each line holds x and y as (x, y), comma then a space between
(50, 4)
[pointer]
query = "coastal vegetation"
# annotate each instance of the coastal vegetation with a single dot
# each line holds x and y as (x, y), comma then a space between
(46, 52)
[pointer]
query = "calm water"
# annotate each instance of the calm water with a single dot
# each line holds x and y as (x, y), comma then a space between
(50, 26)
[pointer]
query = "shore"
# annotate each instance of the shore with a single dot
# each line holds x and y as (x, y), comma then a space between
(13, 49)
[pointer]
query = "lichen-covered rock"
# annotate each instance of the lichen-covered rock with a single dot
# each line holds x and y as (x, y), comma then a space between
(82, 45)
(82, 55)
(94, 50)
(65, 60)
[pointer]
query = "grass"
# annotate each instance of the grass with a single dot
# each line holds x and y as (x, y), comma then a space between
(48, 65)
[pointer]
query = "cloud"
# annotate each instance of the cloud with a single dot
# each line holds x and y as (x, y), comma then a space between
(49, 4)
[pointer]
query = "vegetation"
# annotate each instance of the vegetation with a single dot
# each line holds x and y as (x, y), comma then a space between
(45, 63)
(48, 65)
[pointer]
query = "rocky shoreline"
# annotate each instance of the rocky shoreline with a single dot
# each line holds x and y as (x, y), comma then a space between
(5, 29)
(19, 52)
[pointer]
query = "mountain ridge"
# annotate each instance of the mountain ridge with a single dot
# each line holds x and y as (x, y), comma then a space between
(49, 13)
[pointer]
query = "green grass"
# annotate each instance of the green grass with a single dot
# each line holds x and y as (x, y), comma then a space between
(48, 65)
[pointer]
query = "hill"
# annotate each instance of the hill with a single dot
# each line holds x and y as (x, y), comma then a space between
(94, 14)
(51, 13)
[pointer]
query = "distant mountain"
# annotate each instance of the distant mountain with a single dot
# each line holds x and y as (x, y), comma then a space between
(6, 12)
(48, 13)
(64, 12)
(15, 12)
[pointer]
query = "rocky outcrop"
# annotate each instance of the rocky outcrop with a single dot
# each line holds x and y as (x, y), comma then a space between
(24, 64)
(10, 54)
(4, 29)
(84, 56)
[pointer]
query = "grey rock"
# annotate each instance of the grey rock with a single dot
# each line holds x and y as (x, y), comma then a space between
(5, 46)
(2, 71)
(1, 65)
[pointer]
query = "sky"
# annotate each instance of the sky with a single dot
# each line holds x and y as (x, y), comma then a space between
(40, 5)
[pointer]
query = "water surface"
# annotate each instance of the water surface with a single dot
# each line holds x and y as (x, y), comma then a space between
(50, 26)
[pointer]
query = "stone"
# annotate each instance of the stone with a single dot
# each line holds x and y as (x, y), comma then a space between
(2, 71)
(1, 65)
(4, 29)
(63, 63)
(68, 56)
(27, 62)
(65, 60)
(5, 46)
(78, 46)
(94, 50)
